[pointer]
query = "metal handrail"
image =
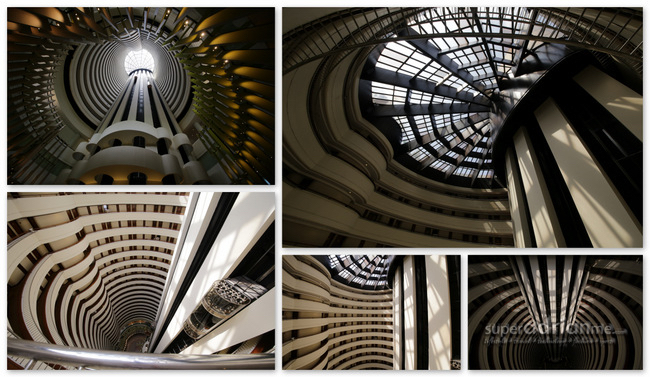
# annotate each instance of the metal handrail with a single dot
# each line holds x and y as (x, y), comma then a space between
(100, 359)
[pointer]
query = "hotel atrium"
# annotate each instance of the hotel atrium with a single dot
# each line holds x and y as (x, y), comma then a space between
(386, 312)
(555, 312)
(141, 280)
(140, 95)
(462, 127)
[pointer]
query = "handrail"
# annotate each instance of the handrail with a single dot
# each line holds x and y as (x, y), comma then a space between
(100, 359)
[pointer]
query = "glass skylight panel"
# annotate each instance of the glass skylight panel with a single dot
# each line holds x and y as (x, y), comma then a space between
(345, 274)
(478, 150)
(402, 57)
(464, 171)
(407, 131)
(457, 83)
(483, 126)
(485, 174)
(452, 154)
(423, 123)
(437, 145)
(473, 160)
(465, 132)
(475, 138)
(497, 52)
(441, 165)
(442, 99)
(418, 98)
(434, 72)
(334, 262)
(455, 117)
(478, 71)
(419, 154)
(439, 121)
(386, 94)
(141, 59)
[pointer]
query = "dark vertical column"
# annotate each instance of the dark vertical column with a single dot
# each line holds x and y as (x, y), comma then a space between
(154, 110)
(453, 275)
(127, 108)
(139, 141)
(421, 313)
(403, 333)
(169, 118)
(162, 147)
(139, 115)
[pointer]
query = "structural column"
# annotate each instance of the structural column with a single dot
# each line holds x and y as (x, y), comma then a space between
(544, 219)
(138, 142)
(606, 218)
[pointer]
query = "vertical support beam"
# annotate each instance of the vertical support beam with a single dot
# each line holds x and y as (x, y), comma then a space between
(421, 316)
(438, 312)
(606, 218)
(545, 224)
(517, 199)
(398, 318)
(624, 103)
(409, 314)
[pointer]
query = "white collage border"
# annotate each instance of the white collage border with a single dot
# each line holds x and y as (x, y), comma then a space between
(277, 188)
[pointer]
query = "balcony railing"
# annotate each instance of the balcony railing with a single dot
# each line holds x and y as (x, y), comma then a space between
(34, 353)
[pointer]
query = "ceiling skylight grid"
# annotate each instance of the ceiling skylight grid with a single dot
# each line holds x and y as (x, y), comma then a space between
(361, 271)
(468, 61)
(401, 57)
(434, 72)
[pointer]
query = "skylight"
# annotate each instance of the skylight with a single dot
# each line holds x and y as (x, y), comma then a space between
(360, 271)
(437, 89)
(136, 60)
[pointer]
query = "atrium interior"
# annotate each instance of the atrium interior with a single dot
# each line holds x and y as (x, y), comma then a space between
(555, 312)
(385, 312)
(171, 280)
(140, 95)
(463, 127)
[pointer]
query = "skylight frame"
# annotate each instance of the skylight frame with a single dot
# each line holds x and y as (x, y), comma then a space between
(139, 59)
